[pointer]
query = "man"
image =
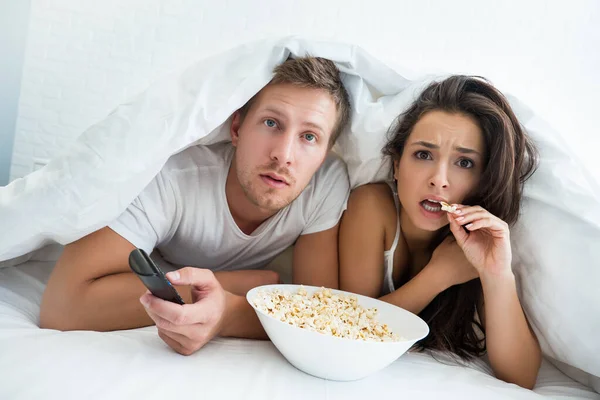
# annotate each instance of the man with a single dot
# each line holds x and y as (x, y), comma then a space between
(226, 210)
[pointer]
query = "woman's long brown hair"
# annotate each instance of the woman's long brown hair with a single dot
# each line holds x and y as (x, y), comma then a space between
(511, 158)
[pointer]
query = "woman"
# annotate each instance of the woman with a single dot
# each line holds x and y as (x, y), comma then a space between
(459, 143)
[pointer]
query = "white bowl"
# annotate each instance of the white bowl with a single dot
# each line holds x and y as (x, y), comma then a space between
(340, 359)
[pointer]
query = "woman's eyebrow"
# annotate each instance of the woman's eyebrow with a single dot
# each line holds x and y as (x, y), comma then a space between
(425, 144)
(464, 150)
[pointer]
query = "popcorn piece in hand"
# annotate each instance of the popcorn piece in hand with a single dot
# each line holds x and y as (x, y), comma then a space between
(326, 313)
(447, 207)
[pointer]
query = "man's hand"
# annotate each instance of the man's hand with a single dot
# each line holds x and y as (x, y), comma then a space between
(186, 328)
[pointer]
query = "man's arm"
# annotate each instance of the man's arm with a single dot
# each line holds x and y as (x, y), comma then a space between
(316, 259)
(240, 319)
(93, 288)
(315, 264)
(241, 282)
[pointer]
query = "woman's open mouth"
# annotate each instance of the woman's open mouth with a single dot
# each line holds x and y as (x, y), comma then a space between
(431, 208)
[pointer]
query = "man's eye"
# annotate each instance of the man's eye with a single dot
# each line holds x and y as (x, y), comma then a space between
(422, 155)
(310, 137)
(465, 163)
(270, 123)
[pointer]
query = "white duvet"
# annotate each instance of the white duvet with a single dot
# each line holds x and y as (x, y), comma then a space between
(556, 252)
(136, 364)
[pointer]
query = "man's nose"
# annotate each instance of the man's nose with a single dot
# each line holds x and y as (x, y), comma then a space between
(283, 148)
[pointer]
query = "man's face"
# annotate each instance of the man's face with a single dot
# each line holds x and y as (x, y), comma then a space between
(281, 142)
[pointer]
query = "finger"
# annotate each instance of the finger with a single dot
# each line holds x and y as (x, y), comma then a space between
(459, 233)
(200, 278)
(184, 334)
(188, 344)
(464, 219)
(162, 323)
(174, 344)
(462, 209)
(200, 312)
(495, 226)
(184, 340)
(174, 313)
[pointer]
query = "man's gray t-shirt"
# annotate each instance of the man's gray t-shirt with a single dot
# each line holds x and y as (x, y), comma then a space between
(183, 212)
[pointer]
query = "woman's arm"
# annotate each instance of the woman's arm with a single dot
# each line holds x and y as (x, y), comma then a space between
(417, 293)
(361, 243)
(447, 267)
(513, 349)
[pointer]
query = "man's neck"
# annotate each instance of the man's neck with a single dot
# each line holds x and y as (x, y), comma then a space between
(247, 216)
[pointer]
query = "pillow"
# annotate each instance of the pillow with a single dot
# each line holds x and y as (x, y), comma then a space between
(556, 252)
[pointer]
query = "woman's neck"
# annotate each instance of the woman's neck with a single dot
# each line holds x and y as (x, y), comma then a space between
(417, 240)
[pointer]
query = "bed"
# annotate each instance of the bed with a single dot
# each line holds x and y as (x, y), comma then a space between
(110, 163)
(46, 364)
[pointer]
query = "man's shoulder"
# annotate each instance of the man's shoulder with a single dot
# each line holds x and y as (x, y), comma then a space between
(331, 179)
(198, 157)
(332, 169)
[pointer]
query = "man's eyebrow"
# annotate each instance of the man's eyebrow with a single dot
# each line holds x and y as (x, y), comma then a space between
(315, 126)
(274, 111)
(464, 150)
(280, 114)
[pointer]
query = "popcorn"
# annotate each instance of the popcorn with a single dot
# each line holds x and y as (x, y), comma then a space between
(448, 207)
(326, 313)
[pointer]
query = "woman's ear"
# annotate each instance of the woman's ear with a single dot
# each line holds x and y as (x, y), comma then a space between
(396, 165)
(234, 129)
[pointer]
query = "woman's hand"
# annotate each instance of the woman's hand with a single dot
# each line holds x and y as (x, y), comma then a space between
(449, 264)
(484, 239)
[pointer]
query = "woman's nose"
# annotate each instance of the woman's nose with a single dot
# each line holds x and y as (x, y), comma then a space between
(440, 178)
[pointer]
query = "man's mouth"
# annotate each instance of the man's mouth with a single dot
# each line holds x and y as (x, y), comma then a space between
(274, 180)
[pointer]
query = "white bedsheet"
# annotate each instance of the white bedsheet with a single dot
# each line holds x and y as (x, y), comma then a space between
(135, 364)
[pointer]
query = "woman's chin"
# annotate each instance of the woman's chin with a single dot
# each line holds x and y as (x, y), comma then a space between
(431, 225)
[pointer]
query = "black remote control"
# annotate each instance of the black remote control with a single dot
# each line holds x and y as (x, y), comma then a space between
(153, 277)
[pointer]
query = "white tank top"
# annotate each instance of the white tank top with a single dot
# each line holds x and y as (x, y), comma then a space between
(388, 260)
(388, 255)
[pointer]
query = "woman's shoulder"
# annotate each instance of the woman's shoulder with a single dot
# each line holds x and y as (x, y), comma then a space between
(373, 200)
(371, 213)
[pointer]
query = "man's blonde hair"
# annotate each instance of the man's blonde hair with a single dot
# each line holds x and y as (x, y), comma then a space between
(314, 73)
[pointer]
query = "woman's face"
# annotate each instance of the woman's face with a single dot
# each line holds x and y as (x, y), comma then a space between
(443, 160)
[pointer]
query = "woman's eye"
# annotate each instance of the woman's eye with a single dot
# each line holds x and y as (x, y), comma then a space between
(310, 137)
(423, 155)
(270, 123)
(465, 163)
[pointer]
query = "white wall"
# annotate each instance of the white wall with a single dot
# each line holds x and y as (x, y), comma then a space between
(13, 32)
(84, 57)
